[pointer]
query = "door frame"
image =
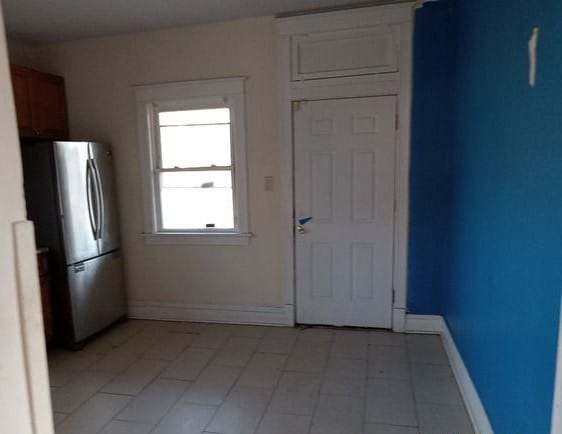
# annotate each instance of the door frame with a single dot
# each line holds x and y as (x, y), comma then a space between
(395, 83)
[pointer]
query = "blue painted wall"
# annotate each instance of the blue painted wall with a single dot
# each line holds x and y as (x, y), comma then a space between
(502, 240)
(430, 176)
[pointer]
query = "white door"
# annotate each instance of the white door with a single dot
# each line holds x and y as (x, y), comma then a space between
(344, 182)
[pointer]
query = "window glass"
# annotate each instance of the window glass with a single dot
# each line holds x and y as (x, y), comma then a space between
(195, 138)
(197, 200)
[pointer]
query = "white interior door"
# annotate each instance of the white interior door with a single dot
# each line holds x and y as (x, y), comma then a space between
(344, 181)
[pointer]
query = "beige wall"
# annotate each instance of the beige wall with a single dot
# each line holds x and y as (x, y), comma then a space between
(100, 75)
(22, 53)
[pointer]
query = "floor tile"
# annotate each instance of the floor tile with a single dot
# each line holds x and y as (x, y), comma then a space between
(59, 376)
(338, 414)
(193, 378)
(309, 356)
(273, 423)
(241, 412)
(351, 344)
(242, 343)
(72, 395)
(115, 337)
(115, 361)
(59, 417)
(344, 384)
(375, 428)
(135, 378)
(249, 331)
(236, 352)
(232, 358)
(185, 419)
(154, 401)
(387, 339)
(388, 362)
(93, 415)
(213, 337)
(435, 384)
(185, 326)
(318, 334)
(143, 341)
(443, 419)
(277, 344)
(346, 367)
(212, 386)
(426, 349)
(345, 377)
(120, 427)
(65, 366)
(390, 402)
(189, 364)
(350, 350)
(297, 393)
(263, 370)
(169, 347)
(282, 332)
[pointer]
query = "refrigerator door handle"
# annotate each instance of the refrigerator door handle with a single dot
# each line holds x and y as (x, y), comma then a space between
(89, 196)
(100, 199)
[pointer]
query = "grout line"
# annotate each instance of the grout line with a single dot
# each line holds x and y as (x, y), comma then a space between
(322, 378)
(410, 372)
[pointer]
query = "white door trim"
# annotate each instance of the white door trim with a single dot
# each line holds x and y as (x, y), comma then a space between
(396, 83)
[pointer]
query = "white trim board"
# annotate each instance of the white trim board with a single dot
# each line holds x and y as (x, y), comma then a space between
(557, 401)
(435, 324)
(232, 314)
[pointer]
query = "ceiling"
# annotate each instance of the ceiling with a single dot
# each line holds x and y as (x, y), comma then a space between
(44, 21)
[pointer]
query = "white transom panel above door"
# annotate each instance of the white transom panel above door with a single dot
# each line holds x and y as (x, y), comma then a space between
(344, 208)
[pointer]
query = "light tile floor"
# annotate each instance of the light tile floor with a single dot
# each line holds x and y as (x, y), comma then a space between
(189, 378)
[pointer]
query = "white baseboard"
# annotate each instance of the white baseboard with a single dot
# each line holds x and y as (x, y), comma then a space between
(435, 324)
(234, 314)
(428, 324)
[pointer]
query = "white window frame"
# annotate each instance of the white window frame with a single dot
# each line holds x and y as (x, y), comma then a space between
(187, 95)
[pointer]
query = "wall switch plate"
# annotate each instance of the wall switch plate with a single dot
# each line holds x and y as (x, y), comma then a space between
(268, 183)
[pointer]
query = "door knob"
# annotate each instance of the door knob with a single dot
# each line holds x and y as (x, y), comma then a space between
(301, 229)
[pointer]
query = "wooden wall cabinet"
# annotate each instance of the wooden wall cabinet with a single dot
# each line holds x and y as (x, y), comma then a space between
(40, 104)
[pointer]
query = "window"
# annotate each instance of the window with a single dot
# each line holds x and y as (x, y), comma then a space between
(193, 162)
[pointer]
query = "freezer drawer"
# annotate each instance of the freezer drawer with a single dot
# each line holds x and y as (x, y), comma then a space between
(97, 294)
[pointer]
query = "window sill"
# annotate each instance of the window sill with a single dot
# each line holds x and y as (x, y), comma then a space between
(220, 239)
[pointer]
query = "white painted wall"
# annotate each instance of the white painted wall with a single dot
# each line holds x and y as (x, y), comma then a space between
(100, 74)
(18, 412)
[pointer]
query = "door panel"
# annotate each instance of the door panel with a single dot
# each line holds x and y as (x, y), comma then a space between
(344, 180)
(78, 219)
(96, 293)
(109, 225)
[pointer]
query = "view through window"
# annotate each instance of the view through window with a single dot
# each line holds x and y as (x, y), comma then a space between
(196, 170)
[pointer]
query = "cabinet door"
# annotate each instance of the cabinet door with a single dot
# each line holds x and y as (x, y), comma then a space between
(48, 103)
(21, 82)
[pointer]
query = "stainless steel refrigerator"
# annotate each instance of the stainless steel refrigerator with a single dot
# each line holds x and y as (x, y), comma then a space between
(70, 195)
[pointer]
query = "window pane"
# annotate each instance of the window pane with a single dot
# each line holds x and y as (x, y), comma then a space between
(195, 146)
(197, 200)
(195, 117)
